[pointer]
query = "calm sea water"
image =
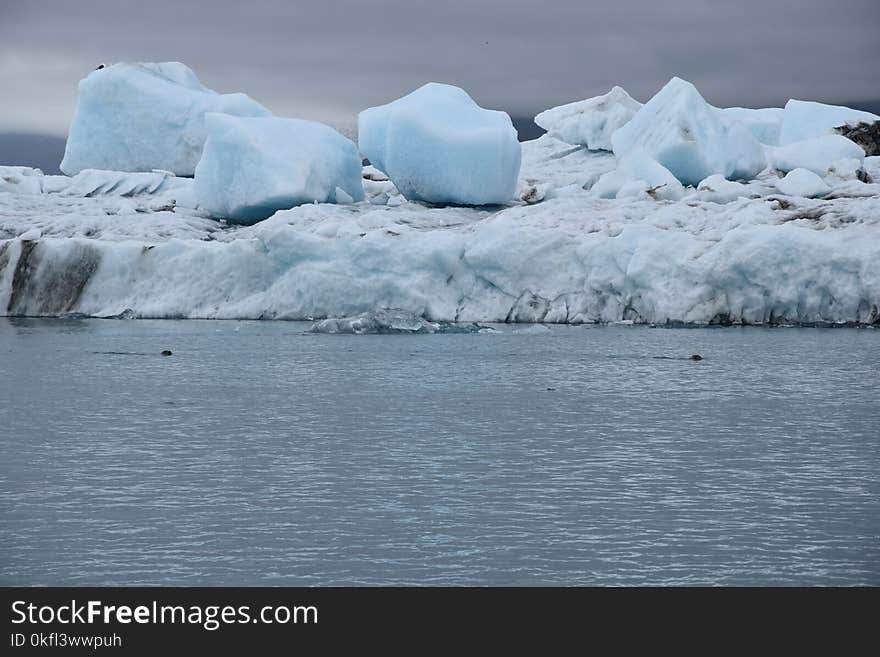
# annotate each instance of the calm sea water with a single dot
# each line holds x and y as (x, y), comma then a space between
(261, 454)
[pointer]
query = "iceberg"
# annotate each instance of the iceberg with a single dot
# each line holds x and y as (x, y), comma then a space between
(692, 139)
(570, 259)
(596, 237)
(141, 117)
(765, 124)
(804, 183)
(803, 119)
(590, 122)
(437, 145)
(253, 167)
(817, 154)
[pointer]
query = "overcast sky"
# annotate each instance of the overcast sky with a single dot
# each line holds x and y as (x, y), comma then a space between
(327, 60)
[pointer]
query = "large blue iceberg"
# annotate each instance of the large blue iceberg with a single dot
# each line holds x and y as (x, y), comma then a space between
(437, 145)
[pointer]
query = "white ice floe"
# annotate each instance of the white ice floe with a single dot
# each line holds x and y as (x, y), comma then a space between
(804, 183)
(692, 139)
(817, 154)
(437, 145)
(804, 119)
(140, 117)
(253, 167)
(590, 122)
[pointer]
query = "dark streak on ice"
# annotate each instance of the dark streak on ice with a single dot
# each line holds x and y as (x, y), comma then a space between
(53, 287)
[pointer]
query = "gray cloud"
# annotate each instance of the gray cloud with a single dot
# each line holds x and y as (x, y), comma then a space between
(328, 60)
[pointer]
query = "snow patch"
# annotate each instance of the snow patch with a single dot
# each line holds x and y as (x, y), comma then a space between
(804, 183)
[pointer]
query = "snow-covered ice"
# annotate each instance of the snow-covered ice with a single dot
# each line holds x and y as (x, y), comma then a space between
(140, 117)
(437, 145)
(22, 180)
(803, 182)
(94, 182)
(657, 180)
(253, 167)
(590, 122)
(570, 258)
(638, 175)
(692, 139)
(817, 154)
(717, 189)
(803, 119)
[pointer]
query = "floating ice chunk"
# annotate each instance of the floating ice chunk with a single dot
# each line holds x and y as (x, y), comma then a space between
(804, 119)
(765, 124)
(802, 182)
(717, 189)
(389, 321)
(140, 117)
(692, 139)
(590, 122)
(661, 184)
(253, 167)
(817, 154)
(437, 145)
(533, 329)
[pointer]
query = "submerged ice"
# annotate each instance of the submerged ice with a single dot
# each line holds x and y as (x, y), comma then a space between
(386, 321)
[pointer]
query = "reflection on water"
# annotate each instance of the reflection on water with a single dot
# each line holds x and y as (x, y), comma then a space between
(261, 454)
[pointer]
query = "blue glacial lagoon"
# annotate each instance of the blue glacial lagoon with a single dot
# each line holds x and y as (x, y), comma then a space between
(262, 454)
